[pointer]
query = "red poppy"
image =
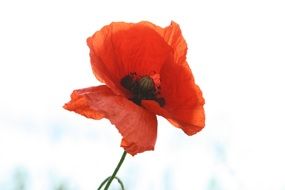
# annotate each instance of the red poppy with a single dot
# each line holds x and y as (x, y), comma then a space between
(144, 69)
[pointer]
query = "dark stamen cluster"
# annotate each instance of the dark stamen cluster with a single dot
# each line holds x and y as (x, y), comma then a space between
(142, 88)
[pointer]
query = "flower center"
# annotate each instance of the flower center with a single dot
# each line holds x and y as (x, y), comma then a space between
(142, 88)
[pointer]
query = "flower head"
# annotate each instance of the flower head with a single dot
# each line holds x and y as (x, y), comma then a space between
(144, 69)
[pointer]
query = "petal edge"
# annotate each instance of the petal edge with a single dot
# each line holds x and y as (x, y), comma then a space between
(137, 126)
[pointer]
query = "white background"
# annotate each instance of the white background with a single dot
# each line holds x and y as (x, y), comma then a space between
(236, 52)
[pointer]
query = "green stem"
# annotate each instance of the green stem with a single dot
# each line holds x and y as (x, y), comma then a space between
(120, 182)
(105, 181)
(116, 170)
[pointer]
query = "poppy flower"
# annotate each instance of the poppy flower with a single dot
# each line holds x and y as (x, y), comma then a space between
(145, 73)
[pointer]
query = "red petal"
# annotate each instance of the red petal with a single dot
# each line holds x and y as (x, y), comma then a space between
(173, 36)
(121, 48)
(184, 101)
(137, 126)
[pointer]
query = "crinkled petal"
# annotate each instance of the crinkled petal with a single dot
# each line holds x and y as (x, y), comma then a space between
(173, 37)
(137, 126)
(183, 99)
(121, 48)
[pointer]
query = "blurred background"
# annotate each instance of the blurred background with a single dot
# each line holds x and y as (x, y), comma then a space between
(236, 52)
